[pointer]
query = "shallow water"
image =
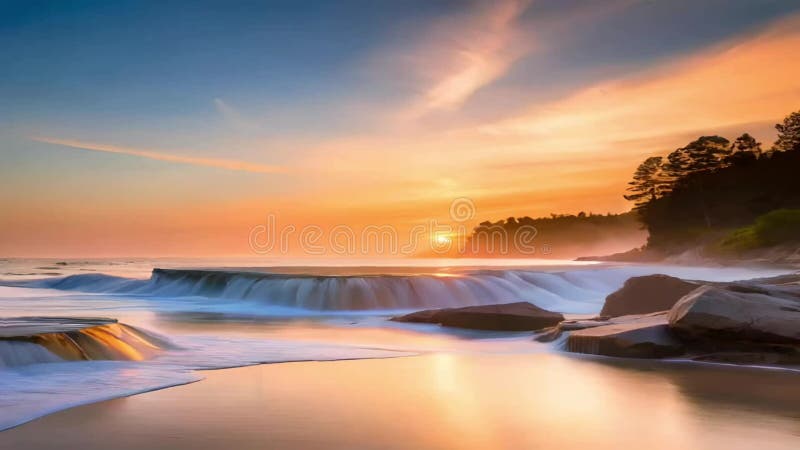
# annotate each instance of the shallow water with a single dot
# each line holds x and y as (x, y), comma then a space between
(444, 401)
(239, 316)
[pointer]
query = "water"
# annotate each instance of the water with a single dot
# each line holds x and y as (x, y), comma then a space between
(208, 314)
(569, 287)
(447, 400)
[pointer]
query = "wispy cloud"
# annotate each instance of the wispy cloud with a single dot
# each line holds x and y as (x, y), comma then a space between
(748, 80)
(453, 58)
(226, 164)
(482, 52)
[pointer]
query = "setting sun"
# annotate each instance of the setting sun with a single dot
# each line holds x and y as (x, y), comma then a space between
(442, 239)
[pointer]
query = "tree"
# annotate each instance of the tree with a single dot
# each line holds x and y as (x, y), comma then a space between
(788, 133)
(644, 186)
(704, 154)
(746, 143)
(744, 150)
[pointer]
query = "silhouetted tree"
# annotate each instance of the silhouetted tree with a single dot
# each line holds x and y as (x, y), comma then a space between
(644, 186)
(558, 231)
(705, 153)
(788, 133)
(744, 150)
(746, 143)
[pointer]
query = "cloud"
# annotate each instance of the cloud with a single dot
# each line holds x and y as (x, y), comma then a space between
(226, 164)
(748, 80)
(482, 52)
(454, 57)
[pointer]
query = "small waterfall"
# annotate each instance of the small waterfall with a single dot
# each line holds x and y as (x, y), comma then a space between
(578, 291)
(20, 353)
(356, 292)
(557, 291)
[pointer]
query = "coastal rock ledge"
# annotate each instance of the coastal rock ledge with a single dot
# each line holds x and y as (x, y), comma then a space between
(744, 313)
(647, 336)
(29, 340)
(752, 322)
(646, 294)
(518, 316)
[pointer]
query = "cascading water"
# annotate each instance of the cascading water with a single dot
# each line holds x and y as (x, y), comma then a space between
(20, 353)
(579, 291)
(369, 292)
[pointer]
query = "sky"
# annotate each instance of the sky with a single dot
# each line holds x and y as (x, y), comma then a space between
(137, 128)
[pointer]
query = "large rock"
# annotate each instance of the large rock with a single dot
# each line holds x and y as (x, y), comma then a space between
(74, 338)
(553, 333)
(21, 327)
(645, 336)
(520, 316)
(647, 294)
(743, 313)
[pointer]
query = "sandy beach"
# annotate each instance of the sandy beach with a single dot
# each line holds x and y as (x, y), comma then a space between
(443, 401)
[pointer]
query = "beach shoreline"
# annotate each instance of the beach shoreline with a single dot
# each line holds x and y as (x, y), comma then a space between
(442, 400)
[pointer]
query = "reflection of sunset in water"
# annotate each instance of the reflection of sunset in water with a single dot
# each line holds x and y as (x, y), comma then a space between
(447, 401)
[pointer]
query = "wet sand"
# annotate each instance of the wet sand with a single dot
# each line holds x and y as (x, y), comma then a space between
(443, 401)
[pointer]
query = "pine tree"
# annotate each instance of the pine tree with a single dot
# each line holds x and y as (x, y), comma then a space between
(746, 143)
(788, 133)
(645, 184)
(704, 154)
(745, 149)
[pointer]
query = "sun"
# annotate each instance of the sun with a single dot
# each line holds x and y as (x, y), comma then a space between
(442, 239)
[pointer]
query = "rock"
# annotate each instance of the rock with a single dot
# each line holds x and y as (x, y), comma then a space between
(647, 294)
(425, 316)
(762, 356)
(553, 333)
(647, 336)
(74, 338)
(519, 316)
(20, 327)
(548, 334)
(738, 312)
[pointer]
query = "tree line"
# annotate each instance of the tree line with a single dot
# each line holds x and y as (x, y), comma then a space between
(556, 236)
(712, 184)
